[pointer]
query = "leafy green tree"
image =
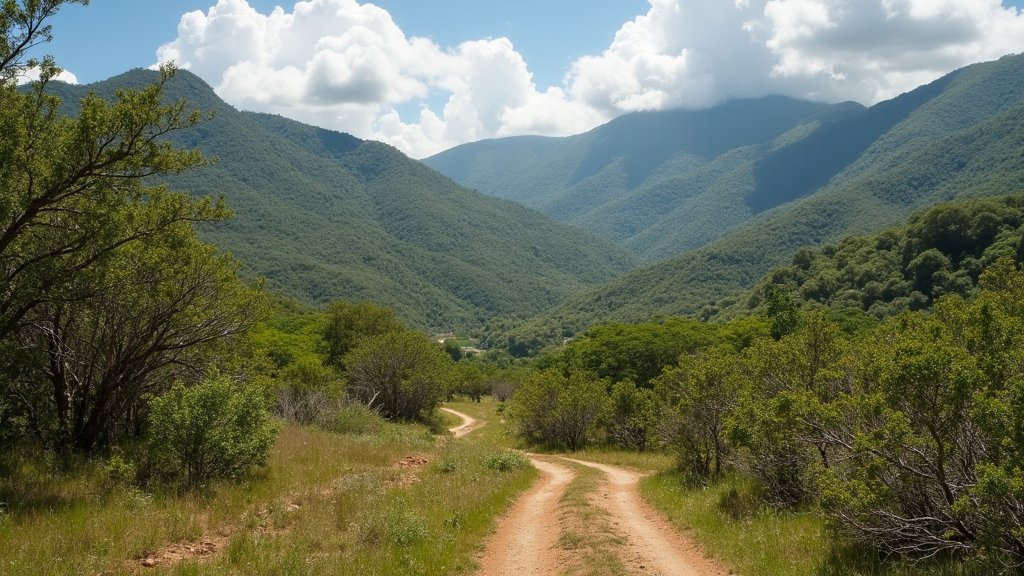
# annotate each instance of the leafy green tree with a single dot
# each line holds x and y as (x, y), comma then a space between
(350, 322)
(784, 415)
(78, 215)
(781, 311)
(214, 429)
(699, 396)
(471, 379)
(633, 416)
(402, 374)
(554, 409)
(635, 352)
(912, 441)
(72, 191)
(156, 310)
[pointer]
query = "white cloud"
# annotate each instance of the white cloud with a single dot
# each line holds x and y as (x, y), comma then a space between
(348, 66)
(32, 74)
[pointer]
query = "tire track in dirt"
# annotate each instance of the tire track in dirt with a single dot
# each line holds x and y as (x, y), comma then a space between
(653, 546)
(526, 543)
(468, 423)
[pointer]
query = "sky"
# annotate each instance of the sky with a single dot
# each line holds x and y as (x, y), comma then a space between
(426, 75)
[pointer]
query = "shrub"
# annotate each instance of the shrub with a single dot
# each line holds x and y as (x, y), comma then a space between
(504, 461)
(215, 429)
(401, 374)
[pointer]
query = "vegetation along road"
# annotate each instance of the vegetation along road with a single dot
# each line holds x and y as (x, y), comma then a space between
(535, 536)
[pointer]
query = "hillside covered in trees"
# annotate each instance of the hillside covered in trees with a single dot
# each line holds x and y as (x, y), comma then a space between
(940, 251)
(956, 138)
(322, 215)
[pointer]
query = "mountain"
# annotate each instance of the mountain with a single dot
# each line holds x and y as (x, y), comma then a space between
(663, 182)
(323, 215)
(956, 138)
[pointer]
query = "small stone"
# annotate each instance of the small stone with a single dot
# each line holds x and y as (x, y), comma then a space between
(149, 562)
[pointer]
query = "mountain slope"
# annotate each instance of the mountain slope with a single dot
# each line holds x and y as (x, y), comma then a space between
(930, 154)
(657, 183)
(323, 215)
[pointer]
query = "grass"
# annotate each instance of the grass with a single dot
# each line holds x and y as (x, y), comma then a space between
(759, 541)
(588, 535)
(645, 462)
(326, 504)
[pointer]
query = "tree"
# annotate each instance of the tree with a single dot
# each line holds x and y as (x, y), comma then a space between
(155, 308)
(348, 323)
(633, 413)
(700, 394)
(913, 445)
(402, 374)
(555, 409)
(72, 192)
(86, 304)
(783, 417)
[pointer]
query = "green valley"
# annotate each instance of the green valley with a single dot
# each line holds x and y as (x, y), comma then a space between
(322, 215)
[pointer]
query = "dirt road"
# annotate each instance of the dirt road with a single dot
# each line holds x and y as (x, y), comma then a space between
(526, 543)
(653, 546)
(468, 423)
(527, 540)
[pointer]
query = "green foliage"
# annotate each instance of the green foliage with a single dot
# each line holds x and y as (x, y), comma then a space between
(505, 460)
(939, 251)
(106, 294)
(783, 414)
(214, 429)
(699, 396)
(632, 417)
(402, 374)
(472, 379)
(551, 408)
(348, 323)
(634, 352)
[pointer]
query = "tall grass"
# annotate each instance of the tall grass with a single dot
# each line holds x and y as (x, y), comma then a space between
(759, 541)
(326, 503)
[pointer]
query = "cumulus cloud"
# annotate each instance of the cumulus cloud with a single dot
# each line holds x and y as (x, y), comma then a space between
(347, 65)
(32, 74)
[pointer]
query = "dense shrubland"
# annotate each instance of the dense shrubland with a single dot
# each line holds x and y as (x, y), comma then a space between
(906, 433)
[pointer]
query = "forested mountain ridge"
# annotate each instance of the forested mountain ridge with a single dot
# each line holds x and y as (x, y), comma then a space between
(323, 215)
(956, 138)
(657, 183)
(660, 183)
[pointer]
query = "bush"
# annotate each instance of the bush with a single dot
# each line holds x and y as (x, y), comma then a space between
(309, 391)
(505, 461)
(215, 429)
(403, 375)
